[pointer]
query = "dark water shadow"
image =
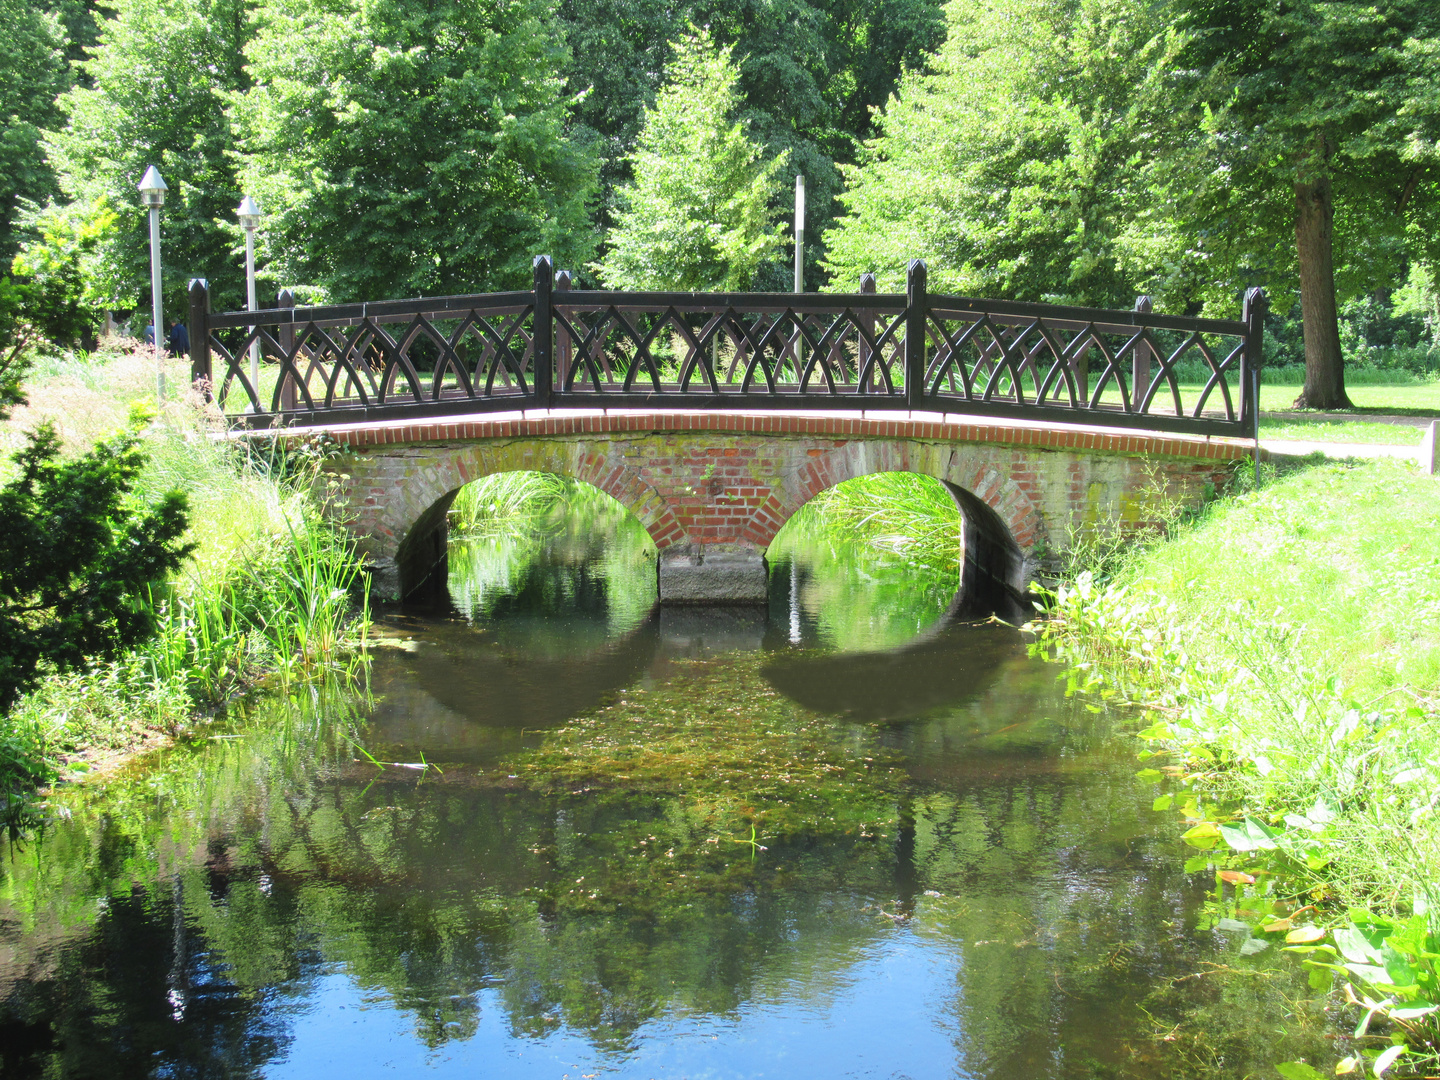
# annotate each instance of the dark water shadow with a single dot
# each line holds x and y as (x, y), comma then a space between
(483, 682)
(949, 664)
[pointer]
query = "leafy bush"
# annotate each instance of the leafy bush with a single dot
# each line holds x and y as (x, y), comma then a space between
(79, 556)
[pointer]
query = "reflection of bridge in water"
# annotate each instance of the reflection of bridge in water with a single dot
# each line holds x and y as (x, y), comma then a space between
(714, 417)
(468, 680)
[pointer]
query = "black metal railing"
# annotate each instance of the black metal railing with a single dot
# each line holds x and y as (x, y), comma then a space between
(557, 347)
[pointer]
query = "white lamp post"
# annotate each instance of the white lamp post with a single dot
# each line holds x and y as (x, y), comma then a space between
(799, 233)
(249, 214)
(152, 194)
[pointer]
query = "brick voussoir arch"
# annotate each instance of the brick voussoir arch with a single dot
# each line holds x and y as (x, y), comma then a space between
(853, 459)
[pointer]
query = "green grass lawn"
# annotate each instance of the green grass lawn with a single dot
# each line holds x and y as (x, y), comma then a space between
(1340, 431)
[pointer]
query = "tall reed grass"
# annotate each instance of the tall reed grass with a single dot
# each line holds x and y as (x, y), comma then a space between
(271, 588)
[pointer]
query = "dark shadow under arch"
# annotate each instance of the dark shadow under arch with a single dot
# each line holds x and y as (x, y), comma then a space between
(992, 575)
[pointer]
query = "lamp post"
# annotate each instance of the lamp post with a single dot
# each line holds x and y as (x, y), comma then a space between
(799, 233)
(249, 214)
(152, 194)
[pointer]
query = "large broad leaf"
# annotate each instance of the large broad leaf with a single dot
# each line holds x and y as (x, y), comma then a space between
(1385, 1060)
(1204, 835)
(1355, 947)
(1248, 835)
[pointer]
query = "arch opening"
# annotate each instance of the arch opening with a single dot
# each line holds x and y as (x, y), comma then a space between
(891, 553)
(523, 545)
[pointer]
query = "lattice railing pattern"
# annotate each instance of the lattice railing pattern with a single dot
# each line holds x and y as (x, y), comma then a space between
(556, 347)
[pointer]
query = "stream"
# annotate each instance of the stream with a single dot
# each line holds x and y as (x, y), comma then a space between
(555, 831)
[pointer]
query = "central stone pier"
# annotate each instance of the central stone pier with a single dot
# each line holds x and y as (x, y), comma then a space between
(716, 575)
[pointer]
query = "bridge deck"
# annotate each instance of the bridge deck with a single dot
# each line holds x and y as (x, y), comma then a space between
(531, 423)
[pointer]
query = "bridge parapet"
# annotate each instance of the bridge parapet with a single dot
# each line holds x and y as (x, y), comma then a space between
(853, 353)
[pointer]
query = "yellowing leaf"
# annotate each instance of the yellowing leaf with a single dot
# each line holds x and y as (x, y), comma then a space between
(1304, 936)
(1346, 1065)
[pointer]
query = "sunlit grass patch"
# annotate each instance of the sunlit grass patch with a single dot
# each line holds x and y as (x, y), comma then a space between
(1341, 431)
(1289, 642)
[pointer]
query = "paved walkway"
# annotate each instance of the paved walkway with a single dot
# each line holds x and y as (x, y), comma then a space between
(1416, 452)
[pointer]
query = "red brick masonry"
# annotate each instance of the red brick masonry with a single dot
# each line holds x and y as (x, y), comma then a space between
(729, 481)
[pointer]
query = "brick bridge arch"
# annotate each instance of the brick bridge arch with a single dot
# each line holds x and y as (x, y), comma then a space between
(713, 489)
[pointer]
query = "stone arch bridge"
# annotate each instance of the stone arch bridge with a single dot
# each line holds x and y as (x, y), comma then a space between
(713, 488)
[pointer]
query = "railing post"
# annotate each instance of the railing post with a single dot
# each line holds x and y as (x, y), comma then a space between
(201, 378)
(288, 390)
(542, 336)
(1253, 359)
(1140, 361)
(867, 320)
(916, 314)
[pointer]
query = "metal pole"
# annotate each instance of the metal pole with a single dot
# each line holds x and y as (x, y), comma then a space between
(250, 299)
(155, 305)
(799, 233)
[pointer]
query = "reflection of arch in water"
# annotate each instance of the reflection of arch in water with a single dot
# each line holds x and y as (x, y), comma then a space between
(485, 684)
(949, 664)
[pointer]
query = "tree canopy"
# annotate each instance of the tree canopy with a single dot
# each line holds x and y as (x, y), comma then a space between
(698, 215)
(32, 75)
(1067, 150)
(402, 149)
(156, 95)
(1006, 164)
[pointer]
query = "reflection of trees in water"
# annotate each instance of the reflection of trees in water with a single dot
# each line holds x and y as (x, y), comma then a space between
(142, 995)
(603, 908)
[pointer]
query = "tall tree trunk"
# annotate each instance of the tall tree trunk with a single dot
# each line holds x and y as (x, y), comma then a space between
(1314, 233)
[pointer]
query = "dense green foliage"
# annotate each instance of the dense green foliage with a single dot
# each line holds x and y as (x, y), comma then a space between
(78, 559)
(403, 149)
(155, 93)
(1080, 150)
(1005, 164)
(32, 74)
(264, 584)
(698, 215)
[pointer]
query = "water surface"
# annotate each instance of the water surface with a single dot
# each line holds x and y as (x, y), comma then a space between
(838, 837)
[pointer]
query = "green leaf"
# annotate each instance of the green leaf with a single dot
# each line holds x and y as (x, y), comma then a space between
(1205, 835)
(1298, 1070)
(1248, 835)
(1388, 1058)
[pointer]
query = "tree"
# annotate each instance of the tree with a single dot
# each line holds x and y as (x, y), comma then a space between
(55, 268)
(698, 213)
(78, 557)
(158, 89)
(402, 148)
(32, 74)
(1314, 126)
(1007, 164)
(810, 73)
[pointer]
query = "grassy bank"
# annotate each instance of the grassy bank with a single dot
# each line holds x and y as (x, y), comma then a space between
(270, 588)
(1287, 646)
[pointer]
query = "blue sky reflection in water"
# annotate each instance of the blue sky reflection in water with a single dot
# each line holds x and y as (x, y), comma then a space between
(952, 871)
